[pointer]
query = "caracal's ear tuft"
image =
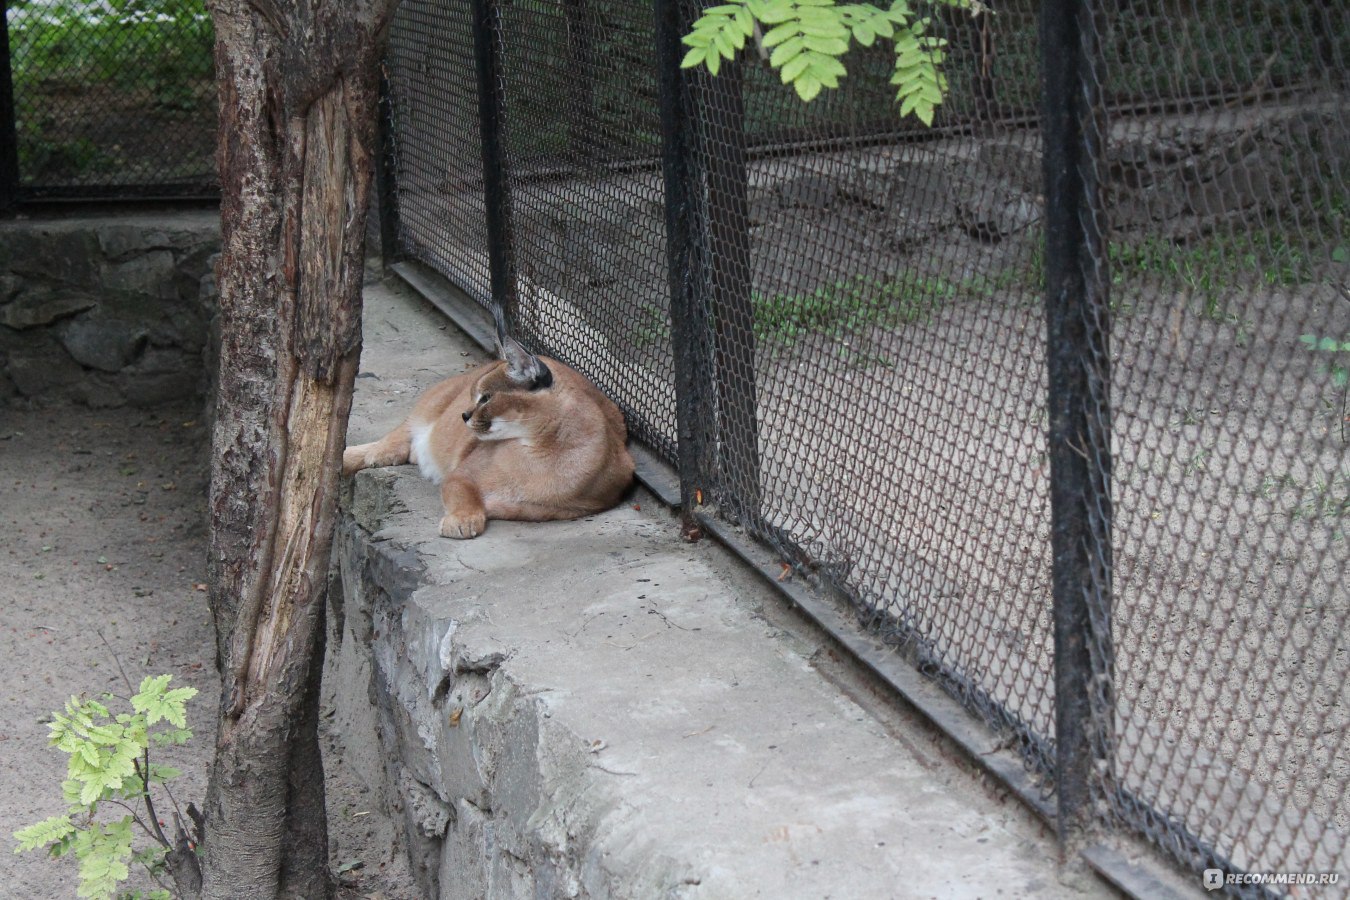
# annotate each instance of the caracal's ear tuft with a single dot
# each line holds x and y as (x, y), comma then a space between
(523, 367)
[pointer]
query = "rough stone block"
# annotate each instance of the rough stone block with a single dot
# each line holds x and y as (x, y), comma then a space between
(43, 371)
(10, 286)
(151, 274)
(62, 254)
(43, 306)
(104, 343)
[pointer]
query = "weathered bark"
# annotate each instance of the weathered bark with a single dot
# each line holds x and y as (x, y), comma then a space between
(298, 98)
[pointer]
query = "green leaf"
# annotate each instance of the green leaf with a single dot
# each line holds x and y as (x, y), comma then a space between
(807, 88)
(171, 736)
(774, 11)
(745, 21)
(785, 51)
(693, 58)
(775, 36)
(1340, 254)
(723, 44)
(103, 853)
(830, 45)
(48, 831)
(794, 68)
(823, 65)
(158, 702)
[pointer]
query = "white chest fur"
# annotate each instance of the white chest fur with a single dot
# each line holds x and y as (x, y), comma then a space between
(506, 430)
(420, 452)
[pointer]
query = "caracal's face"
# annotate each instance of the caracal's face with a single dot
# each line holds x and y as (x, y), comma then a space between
(500, 407)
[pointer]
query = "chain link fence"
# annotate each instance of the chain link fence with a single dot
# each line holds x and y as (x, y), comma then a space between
(114, 99)
(833, 323)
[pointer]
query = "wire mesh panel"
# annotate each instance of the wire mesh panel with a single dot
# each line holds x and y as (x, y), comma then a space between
(862, 346)
(113, 99)
(438, 152)
(582, 147)
(1230, 257)
(580, 144)
(897, 354)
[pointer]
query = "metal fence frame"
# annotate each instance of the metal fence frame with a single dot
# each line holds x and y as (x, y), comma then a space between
(1077, 320)
(709, 305)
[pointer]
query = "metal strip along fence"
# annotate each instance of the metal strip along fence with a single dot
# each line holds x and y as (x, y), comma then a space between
(1053, 393)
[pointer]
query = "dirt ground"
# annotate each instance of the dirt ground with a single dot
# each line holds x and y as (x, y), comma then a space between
(101, 570)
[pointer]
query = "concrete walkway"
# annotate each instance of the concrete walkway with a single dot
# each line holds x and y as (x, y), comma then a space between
(598, 709)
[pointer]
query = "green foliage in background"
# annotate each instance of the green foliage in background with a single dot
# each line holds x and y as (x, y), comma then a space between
(159, 44)
(805, 41)
(85, 72)
(110, 766)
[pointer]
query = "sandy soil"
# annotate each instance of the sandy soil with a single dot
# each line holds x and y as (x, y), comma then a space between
(102, 566)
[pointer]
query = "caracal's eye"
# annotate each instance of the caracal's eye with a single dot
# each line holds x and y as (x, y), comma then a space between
(485, 398)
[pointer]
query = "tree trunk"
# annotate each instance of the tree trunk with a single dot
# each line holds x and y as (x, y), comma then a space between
(297, 112)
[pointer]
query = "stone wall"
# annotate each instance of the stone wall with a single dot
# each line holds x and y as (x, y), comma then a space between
(105, 311)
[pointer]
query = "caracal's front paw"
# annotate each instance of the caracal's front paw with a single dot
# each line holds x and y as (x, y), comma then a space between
(354, 459)
(462, 526)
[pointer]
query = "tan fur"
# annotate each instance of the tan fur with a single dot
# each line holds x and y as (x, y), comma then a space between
(532, 455)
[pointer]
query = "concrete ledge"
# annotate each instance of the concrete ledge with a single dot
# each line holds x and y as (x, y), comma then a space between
(597, 709)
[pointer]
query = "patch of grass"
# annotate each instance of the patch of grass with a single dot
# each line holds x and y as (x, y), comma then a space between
(652, 328)
(1324, 498)
(1212, 268)
(848, 306)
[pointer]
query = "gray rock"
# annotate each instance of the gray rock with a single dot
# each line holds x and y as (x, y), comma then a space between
(97, 391)
(809, 192)
(191, 265)
(430, 813)
(8, 392)
(997, 212)
(152, 390)
(42, 371)
(10, 285)
(150, 274)
(160, 360)
(119, 242)
(108, 345)
(1018, 163)
(59, 254)
(44, 306)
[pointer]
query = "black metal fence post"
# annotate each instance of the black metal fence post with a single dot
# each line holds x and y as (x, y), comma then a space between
(1078, 365)
(496, 189)
(688, 318)
(727, 231)
(9, 135)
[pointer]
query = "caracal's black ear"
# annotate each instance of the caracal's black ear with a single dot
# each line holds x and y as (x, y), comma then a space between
(522, 366)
